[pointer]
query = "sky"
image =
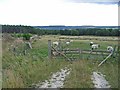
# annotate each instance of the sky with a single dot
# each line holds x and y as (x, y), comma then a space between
(59, 12)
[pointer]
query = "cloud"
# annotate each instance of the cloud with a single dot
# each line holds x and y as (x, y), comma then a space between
(95, 1)
(57, 12)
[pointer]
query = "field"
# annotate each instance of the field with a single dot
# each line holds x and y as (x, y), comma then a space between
(21, 71)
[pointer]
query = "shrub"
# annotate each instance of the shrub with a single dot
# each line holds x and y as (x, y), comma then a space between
(26, 36)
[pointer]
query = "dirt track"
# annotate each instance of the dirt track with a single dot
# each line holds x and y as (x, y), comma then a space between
(56, 81)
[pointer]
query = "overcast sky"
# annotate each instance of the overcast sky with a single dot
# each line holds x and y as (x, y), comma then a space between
(59, 12)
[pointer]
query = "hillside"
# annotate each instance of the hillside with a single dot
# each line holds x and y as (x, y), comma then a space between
(61, 27)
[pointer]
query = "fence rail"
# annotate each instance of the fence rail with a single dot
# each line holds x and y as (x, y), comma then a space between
(77, 51)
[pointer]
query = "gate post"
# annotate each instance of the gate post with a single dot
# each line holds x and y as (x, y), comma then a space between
(59, 46)
(49, 49)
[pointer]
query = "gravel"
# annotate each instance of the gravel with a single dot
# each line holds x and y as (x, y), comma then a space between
(99, 80)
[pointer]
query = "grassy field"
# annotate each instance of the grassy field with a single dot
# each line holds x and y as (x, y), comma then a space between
(24, 70)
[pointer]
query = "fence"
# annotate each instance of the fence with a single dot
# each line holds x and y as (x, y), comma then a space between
(68, 53)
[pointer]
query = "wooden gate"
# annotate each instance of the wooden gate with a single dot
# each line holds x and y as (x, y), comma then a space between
(68, 53)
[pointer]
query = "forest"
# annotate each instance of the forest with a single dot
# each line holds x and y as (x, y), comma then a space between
(71, 32)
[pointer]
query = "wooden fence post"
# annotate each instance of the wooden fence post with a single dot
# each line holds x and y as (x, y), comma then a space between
(59, 46)
(49, 49)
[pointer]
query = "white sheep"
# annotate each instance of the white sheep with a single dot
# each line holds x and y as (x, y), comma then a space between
(110, 48)
(94, 46)
(56, 43)
(67, 43)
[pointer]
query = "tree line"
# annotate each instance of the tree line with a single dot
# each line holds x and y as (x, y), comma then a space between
(73, 32)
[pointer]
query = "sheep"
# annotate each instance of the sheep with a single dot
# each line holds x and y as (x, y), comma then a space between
(67, 43)
(95, 46)
(56, 43)
(110, 49)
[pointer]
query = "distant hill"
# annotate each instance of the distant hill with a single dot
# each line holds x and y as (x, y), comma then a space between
(62, 27)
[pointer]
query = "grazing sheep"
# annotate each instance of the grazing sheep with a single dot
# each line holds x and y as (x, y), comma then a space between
(110, 48)
(67, 43)
(94, 46)
(56, 43)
